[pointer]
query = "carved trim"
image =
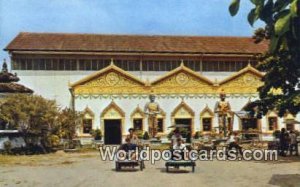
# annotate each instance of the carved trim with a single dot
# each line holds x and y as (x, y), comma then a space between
(185, 106)
(113, 105)
(109, 68)
(245, 70)
(182, 68)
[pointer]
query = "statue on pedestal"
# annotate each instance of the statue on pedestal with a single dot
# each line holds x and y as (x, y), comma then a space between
(223, 110)
(152, 110)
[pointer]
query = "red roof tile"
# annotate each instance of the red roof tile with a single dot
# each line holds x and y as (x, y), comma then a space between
(134, 43)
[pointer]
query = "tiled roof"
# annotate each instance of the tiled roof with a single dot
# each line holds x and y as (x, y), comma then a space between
(135, 43)
(14, 88)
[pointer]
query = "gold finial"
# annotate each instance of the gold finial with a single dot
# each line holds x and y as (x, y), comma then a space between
(249, 64)
(111, 61)
(182, 63)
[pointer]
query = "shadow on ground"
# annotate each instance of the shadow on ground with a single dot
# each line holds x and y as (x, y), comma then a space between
(173, 170)
(288, 180)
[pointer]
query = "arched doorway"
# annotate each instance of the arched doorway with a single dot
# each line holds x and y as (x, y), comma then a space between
(184, 115)
(112, 120)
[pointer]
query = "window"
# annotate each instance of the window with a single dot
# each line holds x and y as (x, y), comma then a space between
(88, 65)
(94, 65)
(61, 65)
(160, 125)
(272, 121)
(87, 125)
(81, 65)
(197, 66)
(42, 64)
(67, 64)
(138, 124)
(55, 64)
(249, 124)
(28, 64)
(15, 64)
(207, 126)
(48, 64)
(23, 64)
(133, 65)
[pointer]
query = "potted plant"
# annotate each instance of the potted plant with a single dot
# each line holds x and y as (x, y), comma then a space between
(197, 135)
(139, 134)
(97, 134)
(146, 136)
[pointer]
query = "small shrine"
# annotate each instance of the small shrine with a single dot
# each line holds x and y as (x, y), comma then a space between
(8, 83)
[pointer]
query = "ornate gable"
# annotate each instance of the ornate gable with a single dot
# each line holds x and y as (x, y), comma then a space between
(206, 112)
(183, 80)
(137, 113)
(110, 80)
(112, 111)
(88, 113)
(183, 111)
(246, 80)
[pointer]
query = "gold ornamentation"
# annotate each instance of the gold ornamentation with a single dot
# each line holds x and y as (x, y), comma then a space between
(238, 84)
(112, 78)
(182, 78)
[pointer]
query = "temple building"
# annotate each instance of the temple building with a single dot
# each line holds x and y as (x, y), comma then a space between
(110, 77)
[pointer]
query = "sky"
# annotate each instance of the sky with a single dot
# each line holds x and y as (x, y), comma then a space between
(150, 17)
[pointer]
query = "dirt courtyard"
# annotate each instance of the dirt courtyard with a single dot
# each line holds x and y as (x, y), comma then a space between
(87, 169)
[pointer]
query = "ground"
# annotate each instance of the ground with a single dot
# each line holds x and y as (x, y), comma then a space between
(87, 169)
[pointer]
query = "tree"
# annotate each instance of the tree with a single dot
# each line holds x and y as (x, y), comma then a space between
(68, 121)
(33, 114)
(281, 89)
(29, 113)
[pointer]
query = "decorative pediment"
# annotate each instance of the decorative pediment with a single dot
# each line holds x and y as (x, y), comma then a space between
(88, 113)
(182, 80)
(288, 116)
(272, 113)
(137, 113)
(246, 80)
(112, 111)
(183, 111)
(110, 80)
(206, 113)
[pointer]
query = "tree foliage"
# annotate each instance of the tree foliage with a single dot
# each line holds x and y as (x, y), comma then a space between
(281, 89)
(37, 115)
(30, 113)
(68, 121)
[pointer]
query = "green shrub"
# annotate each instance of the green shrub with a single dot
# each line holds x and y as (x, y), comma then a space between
(53, 140)
(139, 134)
(97, 134)
(197, 135)
(146, 136)
(7, 147)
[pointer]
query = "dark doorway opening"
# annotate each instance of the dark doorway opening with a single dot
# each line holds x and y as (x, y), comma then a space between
(112, 132)
(187, 133)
